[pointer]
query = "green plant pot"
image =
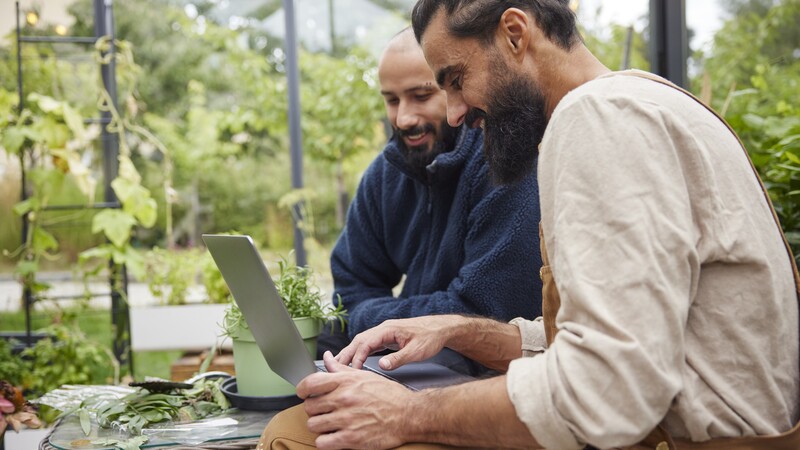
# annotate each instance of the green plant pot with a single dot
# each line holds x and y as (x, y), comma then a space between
(254, 377)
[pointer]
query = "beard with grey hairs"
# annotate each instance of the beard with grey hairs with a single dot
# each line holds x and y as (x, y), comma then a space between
(515, 121)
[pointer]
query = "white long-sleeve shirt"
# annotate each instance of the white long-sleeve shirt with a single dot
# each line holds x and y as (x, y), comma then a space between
(678, 299)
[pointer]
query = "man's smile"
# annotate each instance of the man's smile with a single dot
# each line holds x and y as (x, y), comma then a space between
(415, 140)
(418, 136)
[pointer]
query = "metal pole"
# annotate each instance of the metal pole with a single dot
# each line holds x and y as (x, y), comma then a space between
(118, 276)
(27, 294)
(103, 26)
(295, 144)
(626, 54)
(669, 46)
(19, 70)
(331, 25)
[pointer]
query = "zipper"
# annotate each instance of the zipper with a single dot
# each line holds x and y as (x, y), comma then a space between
(431, 169)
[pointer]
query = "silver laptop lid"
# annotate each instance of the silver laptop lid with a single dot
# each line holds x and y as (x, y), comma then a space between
(264, 312)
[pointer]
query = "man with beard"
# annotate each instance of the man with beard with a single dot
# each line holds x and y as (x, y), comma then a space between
(426, 209)
(677, 321)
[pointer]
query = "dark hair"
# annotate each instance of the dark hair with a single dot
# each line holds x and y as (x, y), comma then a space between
(479, 18)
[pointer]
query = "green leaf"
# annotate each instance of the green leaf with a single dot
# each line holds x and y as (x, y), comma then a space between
(135, 262)
(124, 188)
(25, 268)
(13, 138)
(785, 142)
(780, 127)
(101, 252)
(43, 240)
(74, 121)
(792, 157)
(86, 424)
(147, 212)
(134, 443)
(80, 173)
(49, 182)
(753, 121)
(54, 133)
(45, 103)
(115, 224)
(128, 171)
(136, 200)
(26, 206)
(106, 442)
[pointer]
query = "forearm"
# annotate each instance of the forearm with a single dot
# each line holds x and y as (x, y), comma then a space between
(374, 311)
(489, 342)
(476, 414)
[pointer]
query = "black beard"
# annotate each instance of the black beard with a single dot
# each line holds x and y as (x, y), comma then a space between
(514, 125)
(419, 157)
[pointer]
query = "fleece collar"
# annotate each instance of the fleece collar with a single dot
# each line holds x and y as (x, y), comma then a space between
(446, 164)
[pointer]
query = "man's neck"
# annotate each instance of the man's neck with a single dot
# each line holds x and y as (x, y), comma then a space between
(568, 71)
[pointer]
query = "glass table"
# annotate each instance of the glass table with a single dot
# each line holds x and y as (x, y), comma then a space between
(236, 429)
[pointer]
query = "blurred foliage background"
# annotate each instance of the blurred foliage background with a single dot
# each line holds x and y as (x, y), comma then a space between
(209, 102)
(216, 98)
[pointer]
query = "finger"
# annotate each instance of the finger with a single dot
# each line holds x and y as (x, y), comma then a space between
(371, 344)
(361, 355)
(403, 356)
(316, 384)
(345, 355)
(324, 423)
(387, 363)
(315, 406)
(332, 365)
(337, 440)
(355, 353)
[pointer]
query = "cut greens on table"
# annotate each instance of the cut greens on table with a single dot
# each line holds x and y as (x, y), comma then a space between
(139, 408)
(142, 408)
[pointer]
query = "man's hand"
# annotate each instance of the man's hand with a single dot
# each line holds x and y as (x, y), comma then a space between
(414, 339)
(351, 408)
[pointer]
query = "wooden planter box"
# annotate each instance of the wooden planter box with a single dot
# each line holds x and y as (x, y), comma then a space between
(189, 364)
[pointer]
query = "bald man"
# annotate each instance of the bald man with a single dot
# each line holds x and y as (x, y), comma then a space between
(427, 210)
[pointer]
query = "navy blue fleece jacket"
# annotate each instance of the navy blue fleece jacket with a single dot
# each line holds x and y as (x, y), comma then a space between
(464, 244)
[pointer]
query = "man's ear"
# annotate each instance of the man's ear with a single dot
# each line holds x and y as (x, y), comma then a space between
(514, 32)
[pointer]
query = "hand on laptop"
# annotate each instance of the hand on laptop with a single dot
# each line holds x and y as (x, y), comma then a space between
(414, 339)
(487, 341)
(352, 408)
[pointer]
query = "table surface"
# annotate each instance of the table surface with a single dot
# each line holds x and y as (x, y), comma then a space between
(244, 434)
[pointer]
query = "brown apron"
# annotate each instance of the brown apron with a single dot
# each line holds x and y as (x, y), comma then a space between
(659, 439)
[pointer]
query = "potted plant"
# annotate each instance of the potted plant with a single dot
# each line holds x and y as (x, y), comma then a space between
(303, 301)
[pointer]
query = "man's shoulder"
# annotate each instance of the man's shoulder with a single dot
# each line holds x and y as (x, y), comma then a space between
(631, 87)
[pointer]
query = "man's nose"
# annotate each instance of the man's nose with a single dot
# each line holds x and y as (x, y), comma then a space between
(456, 110)
(407, 117)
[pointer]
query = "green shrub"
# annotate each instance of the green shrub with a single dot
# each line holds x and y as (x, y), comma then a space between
(66, 358)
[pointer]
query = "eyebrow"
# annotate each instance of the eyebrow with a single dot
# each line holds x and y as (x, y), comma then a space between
(426, 88)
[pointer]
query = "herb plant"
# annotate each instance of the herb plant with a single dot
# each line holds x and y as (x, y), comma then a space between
(299, 293)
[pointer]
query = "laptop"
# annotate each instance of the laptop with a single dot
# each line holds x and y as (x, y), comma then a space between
(257, 296)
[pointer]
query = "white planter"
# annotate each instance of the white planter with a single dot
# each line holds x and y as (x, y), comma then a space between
(194, 327)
